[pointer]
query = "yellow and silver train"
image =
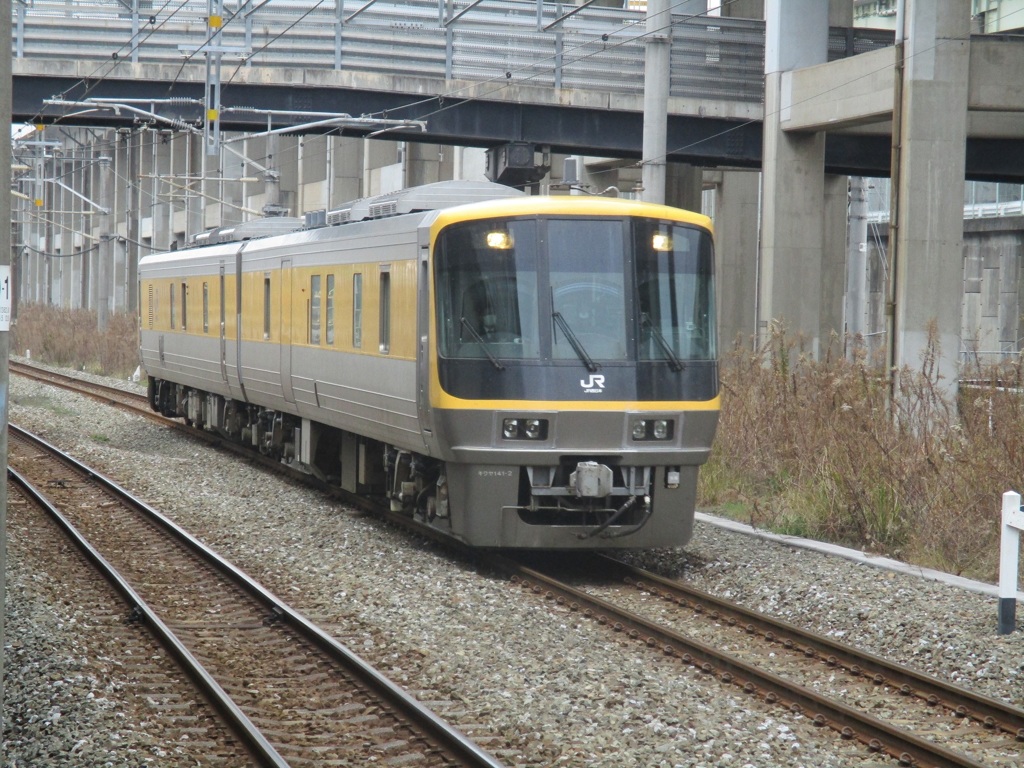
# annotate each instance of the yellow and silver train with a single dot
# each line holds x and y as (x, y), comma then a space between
(517, 371)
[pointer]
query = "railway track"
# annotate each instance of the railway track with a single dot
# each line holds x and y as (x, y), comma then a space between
(923, 721)
(119, 398)
(290, 693)
(180, 724)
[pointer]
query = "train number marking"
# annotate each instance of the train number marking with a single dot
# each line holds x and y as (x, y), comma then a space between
(593, 385)
(494, 472)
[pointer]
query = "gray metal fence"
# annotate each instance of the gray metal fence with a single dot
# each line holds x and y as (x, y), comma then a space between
(543, 43)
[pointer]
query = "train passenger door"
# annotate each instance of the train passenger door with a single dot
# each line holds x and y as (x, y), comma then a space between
(223, 326)
(423, 338)
(232, 344)
(285, 344)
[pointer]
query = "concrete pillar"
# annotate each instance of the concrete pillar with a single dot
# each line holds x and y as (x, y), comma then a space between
(928, 177)
(160, 208)
(792, 224)
(37, 242)
(346, 170)
(737, 204)
(840, 12)
(684, 186)
(742, 9)
(833, 262)
(427, 163)
(132, 199)
(382, 167)
(469, 163)
(314, 167)
(285, 160)
(195, 204)
(122, 213)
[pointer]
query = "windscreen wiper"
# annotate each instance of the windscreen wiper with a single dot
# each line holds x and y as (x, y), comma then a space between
(674, 362)
(577, 347)
(483, 344)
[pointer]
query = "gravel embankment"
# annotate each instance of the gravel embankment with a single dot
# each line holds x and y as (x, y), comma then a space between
(538, 688)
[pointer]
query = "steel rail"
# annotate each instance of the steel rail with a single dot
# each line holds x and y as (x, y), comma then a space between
(448, 737)
(850, 723)
(243, 728)
(990, 712)
(101, 392)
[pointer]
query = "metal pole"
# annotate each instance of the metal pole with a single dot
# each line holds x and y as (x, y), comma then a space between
(6, 294)
(106, 246)
(656, 82)
(133, 203)
(895, 180)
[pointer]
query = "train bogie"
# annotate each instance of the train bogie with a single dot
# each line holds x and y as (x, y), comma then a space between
(518, 372)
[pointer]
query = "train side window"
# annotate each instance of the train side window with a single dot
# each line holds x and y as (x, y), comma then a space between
(385, 312)
(206, 307)
(357, 310)
(314, 309)
(266, 306)
(173, 306)
(330, 309)
(184, 314)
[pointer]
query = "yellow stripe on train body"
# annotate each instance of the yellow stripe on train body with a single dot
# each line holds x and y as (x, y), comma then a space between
(553, 205)
(445, 401)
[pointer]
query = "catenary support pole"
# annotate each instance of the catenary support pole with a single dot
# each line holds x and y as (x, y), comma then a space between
(106, 252)
(6, 300)
(656, 81)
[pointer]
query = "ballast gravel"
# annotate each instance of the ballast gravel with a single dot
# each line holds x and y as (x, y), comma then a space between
(536, 687)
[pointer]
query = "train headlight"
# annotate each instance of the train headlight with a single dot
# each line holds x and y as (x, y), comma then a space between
(500, 240)
(652, 429)
(661, 242)
(524, 429)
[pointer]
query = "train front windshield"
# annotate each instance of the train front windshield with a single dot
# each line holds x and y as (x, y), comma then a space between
(564, 292)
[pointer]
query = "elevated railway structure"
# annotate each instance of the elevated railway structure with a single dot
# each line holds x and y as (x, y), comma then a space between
(478, 73)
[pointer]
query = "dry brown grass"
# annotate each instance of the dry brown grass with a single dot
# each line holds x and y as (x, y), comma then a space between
(818, 448)
(69, 338)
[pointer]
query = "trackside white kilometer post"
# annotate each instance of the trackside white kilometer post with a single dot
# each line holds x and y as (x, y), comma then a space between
(1009, 557)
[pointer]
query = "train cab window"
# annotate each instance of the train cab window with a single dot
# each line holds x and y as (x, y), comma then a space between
(314, 309)
(357, 310)
(184, 313)
(588, 289)
(206, 307)
(330, 309)
(174, 303)
(385, 312)
(487, 292)
(675, 291)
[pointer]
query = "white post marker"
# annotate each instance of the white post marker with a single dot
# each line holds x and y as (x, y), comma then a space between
(1009, 557)
(6, 300)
